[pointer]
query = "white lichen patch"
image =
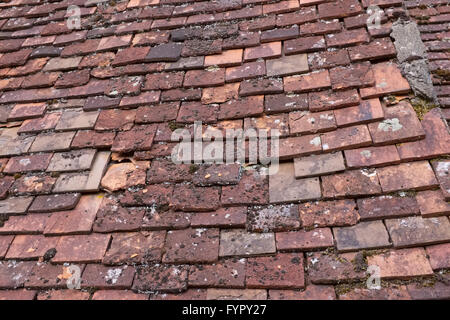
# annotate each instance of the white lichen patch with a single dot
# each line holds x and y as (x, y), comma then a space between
(390, 125)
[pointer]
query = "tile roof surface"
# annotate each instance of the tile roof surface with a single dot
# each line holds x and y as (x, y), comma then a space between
(87, 185)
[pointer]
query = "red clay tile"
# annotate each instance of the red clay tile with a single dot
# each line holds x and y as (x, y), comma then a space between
(351, 183)
(304, 240)
(118, 295)
(402, 264)
(312, 292)
(346, 138)
(413, 175)
(25, 247)
(308, 82)
(135, 247)
(76, 221)
(161, 278)
(439, 256)
(81, 248)
(413, 231)
(328, 213)
(432, 204)
(326, 268)
(284, 271)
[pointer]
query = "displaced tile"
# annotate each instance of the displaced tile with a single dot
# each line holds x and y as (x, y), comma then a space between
(165, 52)
(76, 221)
(283, 187)
(77, 182)
(122, 175)
(245, 71)
(287, 65)
(204, 78)
(90, 138)
(25, 224)
(220, 94)
(56, 64)
(115, 119)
